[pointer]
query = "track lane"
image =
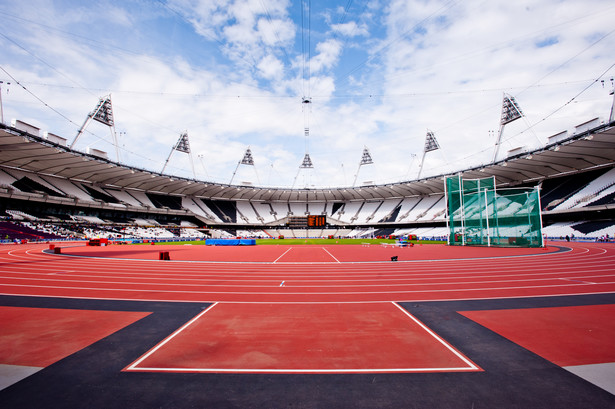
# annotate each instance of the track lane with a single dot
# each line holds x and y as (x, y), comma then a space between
(585, 268)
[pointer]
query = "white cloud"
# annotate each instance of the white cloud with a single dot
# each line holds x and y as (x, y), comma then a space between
(244, 29)
(328, 55)
(276, 32)
(350, 29)
(271, 67)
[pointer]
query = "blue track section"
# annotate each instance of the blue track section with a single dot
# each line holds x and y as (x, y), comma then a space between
(230, 242)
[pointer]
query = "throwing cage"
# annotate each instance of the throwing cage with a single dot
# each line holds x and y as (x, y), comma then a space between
(478, 214)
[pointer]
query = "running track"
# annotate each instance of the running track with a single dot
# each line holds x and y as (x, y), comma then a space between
(571, 270)
(464, 326)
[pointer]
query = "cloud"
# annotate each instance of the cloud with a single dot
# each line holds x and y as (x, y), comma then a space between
(350, 29)
(271, 67)
(246, 30)
(328, 55)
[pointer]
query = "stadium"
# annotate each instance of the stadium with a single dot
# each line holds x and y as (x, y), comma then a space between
(89, 196)
(488, 285)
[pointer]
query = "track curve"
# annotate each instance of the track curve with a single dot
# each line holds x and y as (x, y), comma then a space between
(583, 268)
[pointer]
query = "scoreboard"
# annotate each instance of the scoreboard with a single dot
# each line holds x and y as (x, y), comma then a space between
(316, 220)
(309, 222)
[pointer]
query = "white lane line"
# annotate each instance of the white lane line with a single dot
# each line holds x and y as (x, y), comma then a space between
(301, 371)
(345, 293)
(173, 335)
(276, 260)
(332, 256)
(470, 364)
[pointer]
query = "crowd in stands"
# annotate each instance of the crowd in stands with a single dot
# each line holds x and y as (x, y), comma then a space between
(10, 232)
(267, 220)
(21, 231)
(18, 231)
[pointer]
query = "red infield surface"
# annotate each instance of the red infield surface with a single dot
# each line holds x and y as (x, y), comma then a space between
(583, 335)
(304, 338)
(40, 336)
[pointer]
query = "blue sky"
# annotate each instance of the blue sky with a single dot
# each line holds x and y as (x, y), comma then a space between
(378, 74)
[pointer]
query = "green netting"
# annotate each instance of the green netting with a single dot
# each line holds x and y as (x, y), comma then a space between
(479, 214)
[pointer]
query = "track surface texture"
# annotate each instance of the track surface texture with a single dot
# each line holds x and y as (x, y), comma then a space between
(449, 292)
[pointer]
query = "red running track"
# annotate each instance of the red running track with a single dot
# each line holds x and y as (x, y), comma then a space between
(315, 274)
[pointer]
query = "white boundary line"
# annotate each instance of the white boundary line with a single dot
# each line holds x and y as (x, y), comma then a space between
(173, 335)
(267, 283)
(470, 365)
(276, 260)
(331, 255)
(301, 371)
(437, 337)
(319, 293)
(309, 301)
(564, 249)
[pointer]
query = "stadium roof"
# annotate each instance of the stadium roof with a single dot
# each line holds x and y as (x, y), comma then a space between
(584, 150)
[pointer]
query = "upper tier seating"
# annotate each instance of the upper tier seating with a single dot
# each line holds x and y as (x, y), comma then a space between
(590, 192)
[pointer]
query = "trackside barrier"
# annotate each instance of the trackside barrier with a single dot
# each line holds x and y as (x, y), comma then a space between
(230, 242)
(98, 242)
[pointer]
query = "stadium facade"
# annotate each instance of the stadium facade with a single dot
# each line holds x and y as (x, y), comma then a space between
(42, 179)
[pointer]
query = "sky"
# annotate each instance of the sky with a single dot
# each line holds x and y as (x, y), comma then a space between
(326, 78)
